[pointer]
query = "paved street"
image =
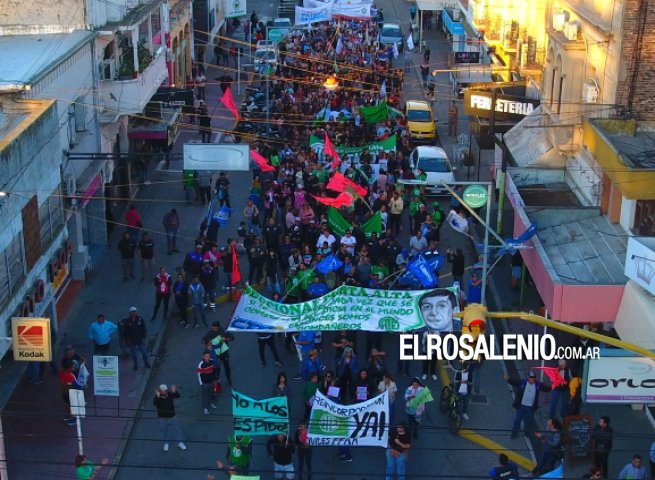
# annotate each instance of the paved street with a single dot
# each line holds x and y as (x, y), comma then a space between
(126, 429)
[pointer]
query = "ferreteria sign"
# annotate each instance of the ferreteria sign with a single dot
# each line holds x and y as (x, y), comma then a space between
(508, 107)
(347, 308)
(364, 424)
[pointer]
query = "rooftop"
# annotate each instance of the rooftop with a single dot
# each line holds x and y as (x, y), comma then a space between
(25, 59)
(581, 244)
(8, 122)
(17, 116)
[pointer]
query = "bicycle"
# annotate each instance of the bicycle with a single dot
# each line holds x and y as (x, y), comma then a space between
(451, 405)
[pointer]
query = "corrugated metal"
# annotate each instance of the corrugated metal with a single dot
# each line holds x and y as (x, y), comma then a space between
(8, 122)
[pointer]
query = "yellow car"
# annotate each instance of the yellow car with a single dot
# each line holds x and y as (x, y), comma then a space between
(420, 120)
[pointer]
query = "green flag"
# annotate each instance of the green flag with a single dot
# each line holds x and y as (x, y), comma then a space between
(373, 224)
(337, 223)
(377, 113)
(424, 396)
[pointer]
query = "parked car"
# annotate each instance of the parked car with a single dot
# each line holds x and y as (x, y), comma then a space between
(434, 162)
(263, 57)
(420, 121)
(392, 33)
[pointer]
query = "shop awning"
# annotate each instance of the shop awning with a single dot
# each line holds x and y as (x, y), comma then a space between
(430, 4)
(529, 144)
(635, 320)
(455, 28)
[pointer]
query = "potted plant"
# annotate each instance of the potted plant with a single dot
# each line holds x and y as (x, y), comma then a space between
(145, 57)
(126, 70)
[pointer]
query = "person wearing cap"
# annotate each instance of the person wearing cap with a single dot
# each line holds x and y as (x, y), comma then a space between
(135, 334)
(414, 412)
(206, 379)
(193, 261)
(560, 393)
(526, 401)
(164, 402)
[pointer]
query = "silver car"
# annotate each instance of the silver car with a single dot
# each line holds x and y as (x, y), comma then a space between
(392, 33)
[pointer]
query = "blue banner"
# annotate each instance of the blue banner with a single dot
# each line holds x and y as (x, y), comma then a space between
(329, 264)
(422, 270)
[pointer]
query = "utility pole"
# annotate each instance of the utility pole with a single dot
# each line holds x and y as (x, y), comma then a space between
(503, 168)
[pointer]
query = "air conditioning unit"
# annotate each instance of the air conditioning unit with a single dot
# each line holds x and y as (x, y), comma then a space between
(559, 19)
(590, 92)
(70, 185)
(571, 30)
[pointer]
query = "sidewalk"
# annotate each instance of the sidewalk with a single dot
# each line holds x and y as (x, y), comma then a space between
(38, 443)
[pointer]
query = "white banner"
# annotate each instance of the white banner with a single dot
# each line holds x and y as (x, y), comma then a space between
(364, 424)
(341, 9)
(105, 376)
(235, 8)
(306, 16)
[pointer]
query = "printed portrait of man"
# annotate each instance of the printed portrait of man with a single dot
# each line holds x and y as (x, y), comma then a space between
(436, 309)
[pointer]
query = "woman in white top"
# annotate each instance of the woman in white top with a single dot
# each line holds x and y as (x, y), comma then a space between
(387, 384)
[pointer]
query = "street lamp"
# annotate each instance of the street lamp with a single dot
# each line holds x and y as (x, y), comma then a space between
(331, 83)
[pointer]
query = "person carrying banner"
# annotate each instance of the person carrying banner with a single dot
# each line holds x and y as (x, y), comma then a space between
(414, 412)
(281, 451)
(217, 339)
(399, 443)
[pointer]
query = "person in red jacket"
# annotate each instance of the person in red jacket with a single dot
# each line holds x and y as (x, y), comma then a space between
(163, 282)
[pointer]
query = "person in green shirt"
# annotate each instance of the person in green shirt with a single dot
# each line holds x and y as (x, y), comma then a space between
(413, 208)
(189, 184)
(438, 215)
(379, 272)
(308, 392)
(85, 469)
(239, 453)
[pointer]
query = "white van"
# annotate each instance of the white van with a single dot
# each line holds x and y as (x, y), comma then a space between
(434, 162)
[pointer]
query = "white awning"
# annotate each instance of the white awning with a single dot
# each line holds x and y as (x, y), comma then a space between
(635, 320)
(430, 4)
(529, 144)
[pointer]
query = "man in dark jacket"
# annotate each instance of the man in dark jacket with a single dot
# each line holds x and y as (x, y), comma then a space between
(206, 379)
(281, 449)
(526, 401)
(135, 335)
(602, 436)
(507, 470)
(164, 402)
(217, 339)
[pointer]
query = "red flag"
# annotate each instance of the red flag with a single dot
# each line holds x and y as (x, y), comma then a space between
(236, 273)
(553, 373)
(339, 183)
(343, 200)
(228, 100)
(262, 162)
(330, 150)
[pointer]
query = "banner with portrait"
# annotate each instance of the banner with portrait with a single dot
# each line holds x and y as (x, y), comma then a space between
(350, 308)
(364, 424)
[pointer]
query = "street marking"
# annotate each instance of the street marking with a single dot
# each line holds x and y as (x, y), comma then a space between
(520, 460)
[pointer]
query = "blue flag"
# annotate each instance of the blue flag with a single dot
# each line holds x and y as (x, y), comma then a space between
(422, 270)
(512, 243)
(557, 473)
(329, 263)
(223, 215)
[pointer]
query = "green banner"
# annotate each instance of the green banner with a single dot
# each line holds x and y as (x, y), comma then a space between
(338, 225)
(259, 417)
(377, 113)
(424, 396)
(347, 308)
(386, 145)
(373, 225)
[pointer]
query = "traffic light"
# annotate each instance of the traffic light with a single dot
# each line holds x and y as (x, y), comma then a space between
(474, 320)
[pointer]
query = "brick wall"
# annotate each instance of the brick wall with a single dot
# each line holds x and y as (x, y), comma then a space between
(643, 101)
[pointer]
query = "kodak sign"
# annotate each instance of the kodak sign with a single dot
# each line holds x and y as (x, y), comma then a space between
(31, 339)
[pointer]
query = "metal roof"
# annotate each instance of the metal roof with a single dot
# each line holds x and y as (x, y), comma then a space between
(9, 121)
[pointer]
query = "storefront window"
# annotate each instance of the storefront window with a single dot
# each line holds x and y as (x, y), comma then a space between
(51, 218)
(645, 218)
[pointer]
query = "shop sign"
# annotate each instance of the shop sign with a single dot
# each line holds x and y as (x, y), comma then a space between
(475, 196)
(235, 8)
(467, 57)
(31, 339)
(620, 379)
(479, 104)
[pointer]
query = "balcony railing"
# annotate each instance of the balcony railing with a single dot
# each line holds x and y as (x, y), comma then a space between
(130, 96)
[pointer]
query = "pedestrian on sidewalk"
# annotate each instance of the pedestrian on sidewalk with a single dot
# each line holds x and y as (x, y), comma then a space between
(206, 379)
(100, 333)
(218, 339)
(135, 337)
(399, 444)
(412, 12)
(209, 280)
(197, 301)
(281, 451)
(204, 123)
(133, 221)
(181, 292)
(560, 394)
(85, 469)
(526, 401)
(164, 402)
(171, 223)
(201, 83)
(634, 470)
(452, 120)
(551, 440)
(602, 436)
(127, 247)
(193, 261)
(163, 283)
(425, 71)
(426, 54)
(146, 254)
(68, 382)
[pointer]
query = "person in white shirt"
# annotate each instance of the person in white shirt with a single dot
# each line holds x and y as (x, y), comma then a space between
(350, 242)
(417, 244)
(325, 236)
(387, 384)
